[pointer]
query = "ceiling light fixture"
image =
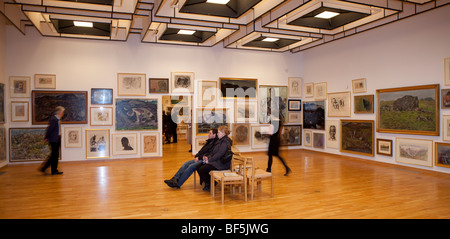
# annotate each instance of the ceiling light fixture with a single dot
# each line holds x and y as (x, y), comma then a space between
(83, 24)
(327, 15)
(270, 39)
(186, 32)
(223, 2)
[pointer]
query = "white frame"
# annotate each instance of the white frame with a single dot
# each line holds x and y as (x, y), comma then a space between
(51, 85)
(26, 94)
(311, 87)
(67, 143)
(320, 91)
(26, 117)
(414, 142)
(158, 145)
(294, 92)
(180, 90)
(446, 127)
(141, 91)
(91, 155)
(117, 144)
(256, 145)
(356, 89)
(107, 122)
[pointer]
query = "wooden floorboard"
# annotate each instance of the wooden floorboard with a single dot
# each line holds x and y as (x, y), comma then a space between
(321, 186)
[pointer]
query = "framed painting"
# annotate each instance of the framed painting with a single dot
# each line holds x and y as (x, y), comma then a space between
(19, 86)
(314, 115)
(27, 144)
(97, 143)
(73, 137)
(101, 96)
(309, 90)
(2, 103)
(241, 134)
(414, 151)
(260, 137)
(409, 110)
(207, 96)
(357, 137)
(294, 105)
(130, 84)
(333, 134)
(246, 111)
(320, 91)
(2, 144)
(136, 114)
(158, 85)
(308, 138)
(291, 135)
(272, 103)
(182, 82)
(150, 144)
(447, 71)
(211, 118)
(446, 127)
(339, 104)
(44, 102)
(318, 140)
(295, 87)
(442, 154)
(19, 111)
(384, 147)
(101, 116)
(45, 81)
(235, 88)
(359, 85)
(445, 99)
(294, 117)
(124, 144)
(363, 104)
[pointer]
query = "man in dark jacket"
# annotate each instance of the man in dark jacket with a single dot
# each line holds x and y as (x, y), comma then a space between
(53, 136)
(188, 167)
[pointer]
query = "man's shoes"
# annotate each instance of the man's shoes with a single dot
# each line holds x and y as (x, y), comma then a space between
(173, 183)
(57, 173)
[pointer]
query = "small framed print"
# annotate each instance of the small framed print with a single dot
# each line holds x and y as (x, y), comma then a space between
(260, 136)
(158, 85)
(101, 116)
(294, 117)
(318, 140)
(150, 144)
(73, 137)
(294, 105)
(320, 91)
(442, 154)
(131, 84)
(19, 86)
(182, 82)
(44, 81)
(97, 143)
(124, 144)
(19, 111)
(359, 85)
(309, 90)
(101, 96)
(363, 104)
(384, 147)
(445, 99)
(241, 134)
(446, 127)
(308, 138)
(295, 87)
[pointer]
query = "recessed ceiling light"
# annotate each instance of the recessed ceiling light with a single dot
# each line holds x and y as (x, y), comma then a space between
(270, 39)
(83, 24)
(327, 15)
(186, 32)
(218, 1)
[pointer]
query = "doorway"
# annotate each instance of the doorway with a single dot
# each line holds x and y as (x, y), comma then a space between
(177, 134)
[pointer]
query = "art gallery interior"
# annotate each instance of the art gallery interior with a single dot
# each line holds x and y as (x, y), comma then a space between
(379, 70)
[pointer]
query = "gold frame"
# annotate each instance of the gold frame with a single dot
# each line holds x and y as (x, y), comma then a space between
(87, 143)
(144, 80)
(26, 111)
(39, 86)
(436, 154)
(355, 152)
(104, 109)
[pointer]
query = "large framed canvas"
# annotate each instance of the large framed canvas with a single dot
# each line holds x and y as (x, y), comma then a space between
(130, 84)
(97, 143)
(182, 82)
(409, 110)
(19, 86)
(314, 115)
(363, 104)
(101, 116)
(246, 111)
(339, 104)
(158, 85)
(45, 81)
(44, 102)
(235, 88)
(442, 154)
(136, 114)
(2, 103)
(211, 118)
(357, 137)
(273, 103)
(260, 137)
(295, 87)
(124, 144)
(291, 135)
(101, 96)
(241, 134)
(414, 151)
(27, 144)
(320, 91)
(447, 71)
(333, 134)
(2, 144)
(73, 137)
(150, 144)
(19, 111)
(207, 93)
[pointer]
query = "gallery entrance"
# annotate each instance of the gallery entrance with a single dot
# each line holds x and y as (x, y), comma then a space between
(176, 126)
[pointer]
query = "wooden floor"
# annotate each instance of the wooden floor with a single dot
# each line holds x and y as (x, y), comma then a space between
(321, 186)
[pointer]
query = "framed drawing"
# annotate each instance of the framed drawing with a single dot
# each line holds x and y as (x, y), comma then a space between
(2, 103)
(124, 144)
(73, 137)
(136, 114)
(339, 104)
(129, 84)
(446, 127)
(234, 88)
(182, 82)
(445, 99)
(44, 81)
(97, 143)
(447, 71)
(309, 90)
(333, 133)
(260, 137)
(384, 147)
(246, 111)
(2, 144)
(414, 151)
(211, 118)
(273, 103)
(19, 86)
(44, 102)
(241, 134)
(294, 105)
(442, 154)
(357, 137)
(363, 104)
(158, 85)
(207, 96)
(291, 135)
(318, 140)
(359, 85)
(150, 144)
(409, 110)
(320, 91)
(201, 141)
(314, 115)
(101, 116)
(19, 111)
(308, 138)
(295, 87)
(27, 144)
(101, 96)
(294, 117)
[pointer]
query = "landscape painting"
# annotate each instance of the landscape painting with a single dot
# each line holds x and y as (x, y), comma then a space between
(314, 115)
(442, 151)
(136, 114)
(357, 137)
(414, 151)
(409, 110)
(27, 144)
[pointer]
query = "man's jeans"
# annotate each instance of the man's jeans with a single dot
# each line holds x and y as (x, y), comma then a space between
(186, 171)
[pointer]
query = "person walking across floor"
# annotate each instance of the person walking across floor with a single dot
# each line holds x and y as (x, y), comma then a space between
(53, 137)
(274, 146)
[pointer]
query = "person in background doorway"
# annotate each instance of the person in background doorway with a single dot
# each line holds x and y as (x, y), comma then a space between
(53, 137)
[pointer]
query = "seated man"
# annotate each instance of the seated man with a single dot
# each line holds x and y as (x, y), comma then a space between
(188, 167)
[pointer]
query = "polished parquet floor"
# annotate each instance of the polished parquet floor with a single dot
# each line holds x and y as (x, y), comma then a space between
(321, 186)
